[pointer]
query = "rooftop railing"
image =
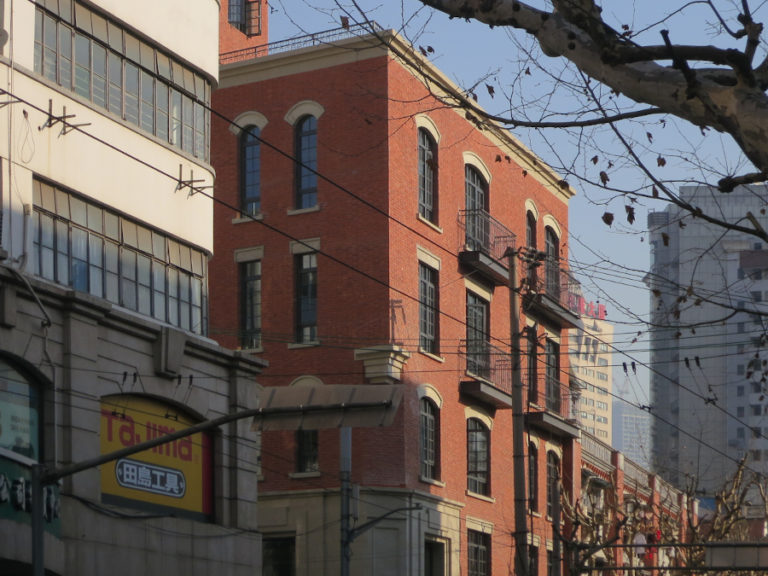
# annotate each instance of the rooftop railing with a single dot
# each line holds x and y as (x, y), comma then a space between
(306, 41)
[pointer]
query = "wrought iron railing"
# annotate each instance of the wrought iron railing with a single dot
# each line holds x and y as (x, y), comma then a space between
(306, 41)
(483, 233)
(488, 363)
(554, 281)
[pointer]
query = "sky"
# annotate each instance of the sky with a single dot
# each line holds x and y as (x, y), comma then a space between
(610, 261)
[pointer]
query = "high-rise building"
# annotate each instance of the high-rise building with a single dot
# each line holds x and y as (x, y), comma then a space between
(106, 228)
(590, 356)
(631, 425)
(707, 344)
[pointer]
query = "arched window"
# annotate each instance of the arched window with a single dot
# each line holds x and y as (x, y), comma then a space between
(532, 356)
(430, 439)
(250, 170)
(476, 203)
(478, 457)
(306, 162)
(553, 479)
(530, 243)
(427, 176)
(553, 263)
(533, 477)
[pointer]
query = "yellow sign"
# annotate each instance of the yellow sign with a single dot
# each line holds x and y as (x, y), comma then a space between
(175, 475)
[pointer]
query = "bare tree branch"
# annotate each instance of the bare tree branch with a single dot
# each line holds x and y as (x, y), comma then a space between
(729, 99)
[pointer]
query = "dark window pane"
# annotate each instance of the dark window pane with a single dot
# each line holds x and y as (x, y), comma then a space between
(83, 66)
(478, 457)
(306, 162)
(99, 76)
(250, 170)
(306, 298)
(115, 84)
(65, 56)
(131, 93)
(428, 309)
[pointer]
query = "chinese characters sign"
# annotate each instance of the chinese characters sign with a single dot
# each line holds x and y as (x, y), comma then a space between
(579, 305)
(173, 475)
(16, 496)
(18, 413)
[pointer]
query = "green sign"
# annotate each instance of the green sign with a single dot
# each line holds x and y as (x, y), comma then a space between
(16, 495)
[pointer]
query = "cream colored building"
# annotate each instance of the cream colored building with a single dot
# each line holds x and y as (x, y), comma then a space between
(106, 228)
(591, 353)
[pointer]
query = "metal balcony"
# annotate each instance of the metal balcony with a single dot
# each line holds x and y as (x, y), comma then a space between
(546, 293)
(489, 372)
(555, 415)
(485, 243)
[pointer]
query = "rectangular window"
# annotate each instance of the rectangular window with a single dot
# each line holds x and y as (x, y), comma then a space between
(278, 556)
(533, 560)
(49, 68)
(250, 303)
(161, 126)
(187, 125)
(307, 451)
(132, 93)
(532, 360)
(115, 81)
(100, 62)
(147, 102)
(99, 75)
(75, 245)
(176, 118)
(478, 347)
(478, 457)
(478, 553)
(430, 437)
(306, 298)
(552, 358)
(65, 56)
(83, 66)
(428, 309)
(245, 15)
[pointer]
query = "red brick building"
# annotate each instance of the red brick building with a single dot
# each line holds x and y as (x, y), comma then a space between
(381, 259)
(361, 237)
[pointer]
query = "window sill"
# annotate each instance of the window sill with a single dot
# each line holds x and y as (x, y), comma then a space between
(248, 218)
(298, 345)
(433, 356)
(259, 350)
(432, 481)
(295, 211)
(481, 497)
(534, 513)
(300, 475)
(432, 225)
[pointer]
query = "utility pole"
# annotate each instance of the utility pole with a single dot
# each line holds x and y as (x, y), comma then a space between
(518, 424)
(345, 473)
